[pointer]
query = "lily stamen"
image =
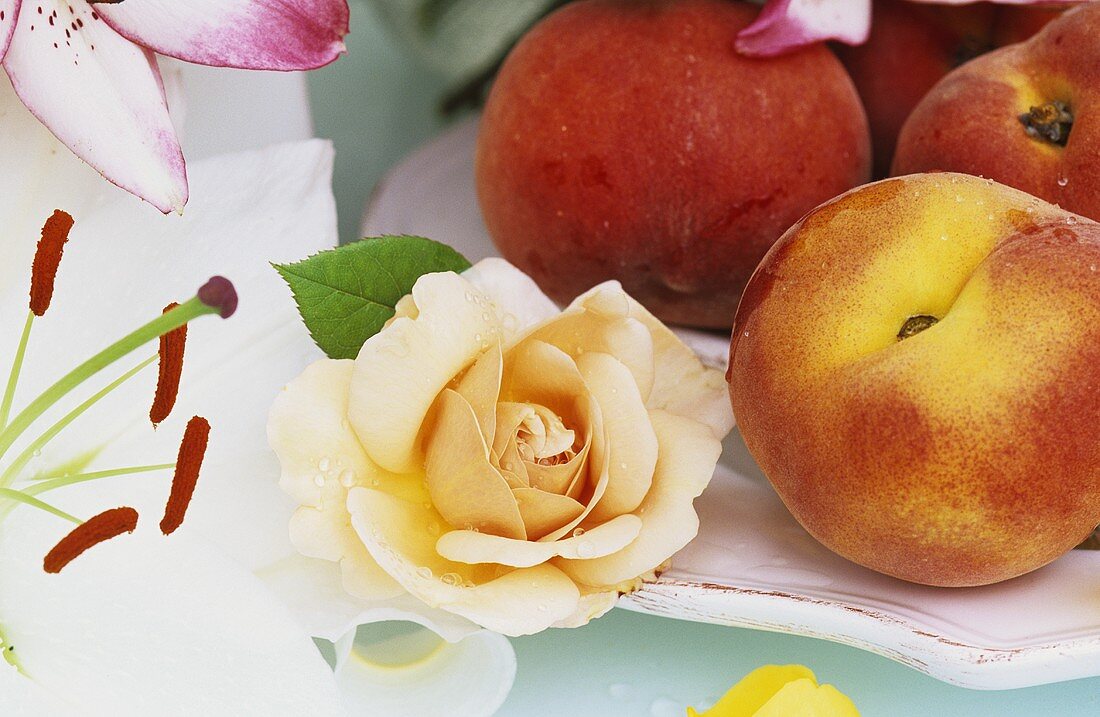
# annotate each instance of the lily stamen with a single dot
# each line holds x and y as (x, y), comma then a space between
(188, 462)
(47, 258)
(170, 369)
(97, 529)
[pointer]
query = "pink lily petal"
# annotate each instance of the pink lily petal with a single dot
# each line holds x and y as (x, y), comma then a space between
(251, 34)
(785, 25)
(99, 94)
(9, 12)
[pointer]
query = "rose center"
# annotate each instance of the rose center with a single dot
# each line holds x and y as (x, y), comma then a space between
(542, 437)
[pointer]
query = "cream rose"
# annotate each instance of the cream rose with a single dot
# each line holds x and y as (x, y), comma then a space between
(498, 459)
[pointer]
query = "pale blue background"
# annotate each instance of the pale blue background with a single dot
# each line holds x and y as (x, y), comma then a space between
(377, 105)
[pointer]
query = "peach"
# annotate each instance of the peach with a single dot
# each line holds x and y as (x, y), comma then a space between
(1027, 115)
(915, 367)
(910, 48)
(628, 140)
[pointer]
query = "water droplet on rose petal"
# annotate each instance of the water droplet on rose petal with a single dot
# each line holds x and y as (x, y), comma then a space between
(451, 578)
(1071, 220)
(347, 478)
(1063, 181)
(578, 532)
(424, 572)
(319, 480)
(323, 464)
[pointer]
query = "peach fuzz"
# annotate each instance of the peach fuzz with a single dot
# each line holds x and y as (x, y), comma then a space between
(914, 365)
(627, 139)
(977, 119)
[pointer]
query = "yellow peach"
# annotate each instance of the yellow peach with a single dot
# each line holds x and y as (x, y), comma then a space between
(916, 367)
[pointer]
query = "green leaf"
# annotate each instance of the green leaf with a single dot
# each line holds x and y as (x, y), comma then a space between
(346, 295)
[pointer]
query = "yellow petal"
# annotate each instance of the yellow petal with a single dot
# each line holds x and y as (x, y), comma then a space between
(480, 386)
(536, 372)
(321, 459)
(781, 691)
(687, 454)
(467, 546)
(544, 512)
(465, 488)
(517, 298)
(510, 601)
(631, 443)
(400, 370)
(591, 606)
(601, 322)
(804, 698)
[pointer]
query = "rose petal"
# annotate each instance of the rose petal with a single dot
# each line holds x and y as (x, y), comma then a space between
(9, 12)
(681, 383)
(466, 546)
(518, 299)
(537, 372)
(481, 387)
(785, 25)
(544, 511)
(688, 452)
(601, 322)
(400, 371)
(558, 479)
(465, 487)
(591, 606)
(122, 127)
(631, 442)
(520, 602)
(251, 34)
(321, 460)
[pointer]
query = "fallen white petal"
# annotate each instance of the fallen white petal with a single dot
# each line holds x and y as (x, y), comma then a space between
(470, 678)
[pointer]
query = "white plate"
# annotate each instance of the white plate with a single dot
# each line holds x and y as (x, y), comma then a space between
(752, 565)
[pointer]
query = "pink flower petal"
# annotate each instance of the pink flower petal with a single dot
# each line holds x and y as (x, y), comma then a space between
(253, 34)
(9, 11)
(785, 25)
(99, 94)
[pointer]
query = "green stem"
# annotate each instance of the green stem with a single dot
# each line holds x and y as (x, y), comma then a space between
(21, 497)
(48, 484)
(37, 444)
(16, 367)
(164, 323)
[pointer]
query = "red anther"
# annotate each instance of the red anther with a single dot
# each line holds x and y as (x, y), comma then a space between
(108, 524)
(170, 369)
(55, 232)
(188, 463)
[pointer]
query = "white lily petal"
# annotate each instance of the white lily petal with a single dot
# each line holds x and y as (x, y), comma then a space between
(9, 13)
(85, 634)
(786, 25)
(68, 58)
(470, 678)
(314, 591)
(519, 300)
(253, 34)
(37, 175)
(271, 204)
(20, 697)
